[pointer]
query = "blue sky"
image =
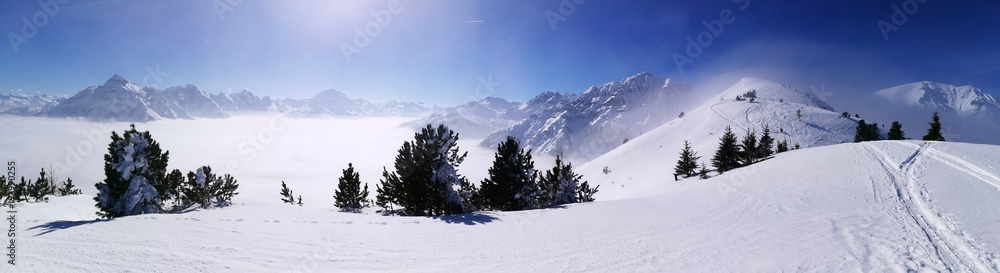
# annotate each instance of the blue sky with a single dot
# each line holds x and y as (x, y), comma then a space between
(444, 51)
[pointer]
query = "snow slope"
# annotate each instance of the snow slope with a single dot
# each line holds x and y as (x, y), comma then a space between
(776, 106)
(878, 206)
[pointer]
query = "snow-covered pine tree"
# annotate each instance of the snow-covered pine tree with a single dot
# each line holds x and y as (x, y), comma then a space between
(426, 179)
(206, 188)
(134, 168)
(349, 196)
(286, 194)
(561, 185)
(896, 131)
(765, 147)
(749, 153)
(469, 193)
(68, 188)
(512, 181)
(727, 156)
(199, 187)
(585, 193)
(688, 162)
(934, 132)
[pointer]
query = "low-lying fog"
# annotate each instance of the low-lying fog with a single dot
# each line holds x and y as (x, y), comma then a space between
(260, 151)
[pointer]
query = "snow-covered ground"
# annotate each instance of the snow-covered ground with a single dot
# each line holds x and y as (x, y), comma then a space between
(879, 206)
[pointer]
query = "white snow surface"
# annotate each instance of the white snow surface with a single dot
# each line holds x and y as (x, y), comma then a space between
(885, 206)
(879, 206)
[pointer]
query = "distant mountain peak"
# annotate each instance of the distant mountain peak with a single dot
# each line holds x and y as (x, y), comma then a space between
(964, 100)
(116, 80)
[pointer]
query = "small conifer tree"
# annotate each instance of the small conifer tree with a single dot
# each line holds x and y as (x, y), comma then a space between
(286, 195)
(934, 132)
(688, 162)
(749, 153)
(727, 155)
(349, 195)
(766, 146)
(896, 131)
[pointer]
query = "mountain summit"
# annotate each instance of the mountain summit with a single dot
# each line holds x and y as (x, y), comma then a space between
(964, 100)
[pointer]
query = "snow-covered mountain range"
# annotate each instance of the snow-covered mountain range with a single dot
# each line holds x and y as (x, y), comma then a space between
(335, 103)
(27, 104)
(600, 118)
(964, 101)
(582, 126)
(119, 99)
(589, 124)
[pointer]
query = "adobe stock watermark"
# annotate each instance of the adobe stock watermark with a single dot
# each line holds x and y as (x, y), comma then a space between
(713, 29)
(225, 6)
(12, 216)
(363, 35)
(899, 17)
(48, 10)
(153, 76)
(486, 87)
(565, 9)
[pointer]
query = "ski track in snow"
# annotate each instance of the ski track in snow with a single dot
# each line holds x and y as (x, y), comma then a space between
(727, 117)
(959, 164)
(952, 250)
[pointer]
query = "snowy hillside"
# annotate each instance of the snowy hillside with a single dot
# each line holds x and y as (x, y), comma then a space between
(776, 106)
(901, 207)
(964, 100)
(601, 118)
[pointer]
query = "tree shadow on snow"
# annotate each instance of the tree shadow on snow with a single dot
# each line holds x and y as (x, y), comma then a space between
(58, 225)
(468, 219)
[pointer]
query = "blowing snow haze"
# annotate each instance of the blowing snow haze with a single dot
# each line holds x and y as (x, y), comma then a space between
(499, 136)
